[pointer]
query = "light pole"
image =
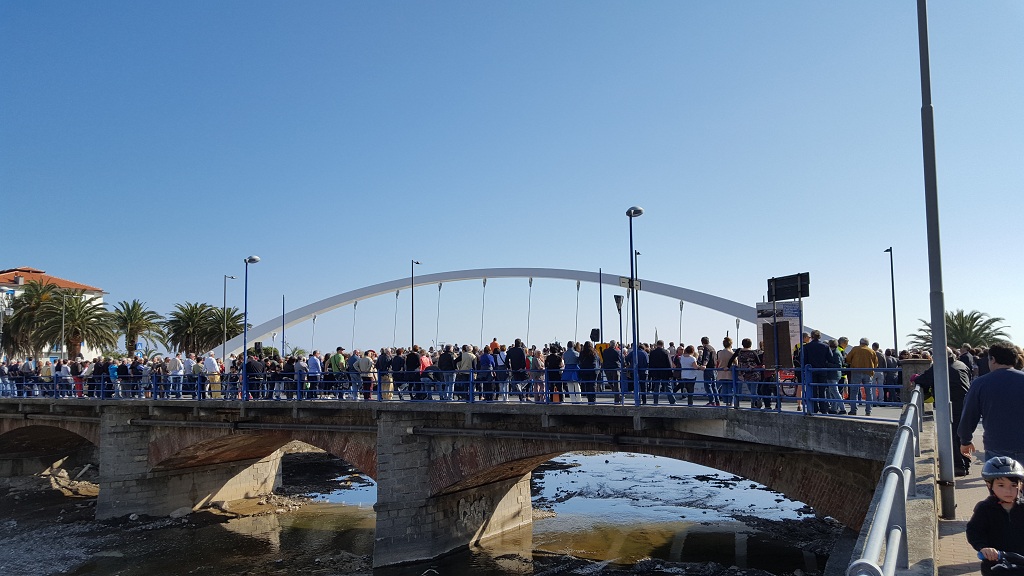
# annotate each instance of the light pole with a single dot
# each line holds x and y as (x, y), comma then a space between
(63, 307)
(636, 294)
(892, 281)
(312, 339)
(412, 300)
(943, 416)
(681, 322)
(737, 331)
(618, 306)
(245, 327)
(224, 310)
(633, 212)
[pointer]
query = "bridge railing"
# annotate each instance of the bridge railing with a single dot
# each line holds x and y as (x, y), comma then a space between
(758, 388)
(884, 549)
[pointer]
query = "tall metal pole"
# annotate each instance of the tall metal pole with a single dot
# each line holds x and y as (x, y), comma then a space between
(245, 327)
(224, 312)
(483, 308)
(737, 331)
(633, 212)
(412, 300)
(943, 414)
(437, 321)
(618, 305)
(63, 342)
(312, 339)
(600, 305)
(681, 322)
(576, 330)
(529, 312)
(283, 355)
(636, 293)
(892, 281)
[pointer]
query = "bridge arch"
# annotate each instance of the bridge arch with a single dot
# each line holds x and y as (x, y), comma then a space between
(177, 448)
(299, 315)
(841, 488)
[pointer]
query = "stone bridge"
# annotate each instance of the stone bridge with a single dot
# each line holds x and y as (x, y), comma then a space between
(448, 475)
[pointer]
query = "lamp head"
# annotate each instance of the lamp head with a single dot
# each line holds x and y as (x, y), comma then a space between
(252, 259)
(416, 262)
(634, 211)
(231, 277)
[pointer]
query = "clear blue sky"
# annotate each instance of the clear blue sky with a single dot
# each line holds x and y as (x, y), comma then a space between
(147, 148)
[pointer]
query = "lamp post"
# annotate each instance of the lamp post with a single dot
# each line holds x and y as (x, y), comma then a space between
(892, 282)
(633, 212)
(412, 299)
(224, 311)
(312, 338)
(636, 294)
(63, 307)
(943, 416)
(681, 322)
(245, 327)
(618, 306)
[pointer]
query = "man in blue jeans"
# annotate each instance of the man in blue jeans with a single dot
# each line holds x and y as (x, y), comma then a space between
(862, 361)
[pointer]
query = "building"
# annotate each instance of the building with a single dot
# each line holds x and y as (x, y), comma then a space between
(13, 282)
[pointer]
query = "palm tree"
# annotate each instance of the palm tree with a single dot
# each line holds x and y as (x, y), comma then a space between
(76, 318)
(235, 321)
(20, 331)
(972, 328)
(191, 327)
(134, 321)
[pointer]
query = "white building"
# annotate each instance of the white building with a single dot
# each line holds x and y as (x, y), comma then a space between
(13, 282)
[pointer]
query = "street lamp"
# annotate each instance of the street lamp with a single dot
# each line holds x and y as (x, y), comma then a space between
(63, 307)
(737, 330)
(618, 306)
(633, 212)
(681, 322)
(224, 310)
(892, 281)
(412, 299)
(245, 328)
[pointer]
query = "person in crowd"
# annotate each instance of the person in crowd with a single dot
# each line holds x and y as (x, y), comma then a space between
(519, 365)
(818, 356)
(385, 377)
(589, 366)
(553, 364)
(997, 398)
(862, 361)
(749, 365)
(659, 369)
(706, 362)
(611, 363)
(959, 385)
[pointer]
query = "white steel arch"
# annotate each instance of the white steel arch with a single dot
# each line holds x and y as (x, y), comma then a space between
(300, 315)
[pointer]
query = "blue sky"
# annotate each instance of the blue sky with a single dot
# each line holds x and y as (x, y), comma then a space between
(147, 148)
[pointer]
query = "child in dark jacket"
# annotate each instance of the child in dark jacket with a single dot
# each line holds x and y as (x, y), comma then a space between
(997, 524)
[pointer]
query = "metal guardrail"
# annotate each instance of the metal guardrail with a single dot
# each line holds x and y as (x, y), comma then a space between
(888, 517)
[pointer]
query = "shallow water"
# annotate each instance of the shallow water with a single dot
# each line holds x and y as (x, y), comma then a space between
(614, 508)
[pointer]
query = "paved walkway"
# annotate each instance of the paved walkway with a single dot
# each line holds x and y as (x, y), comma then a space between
(955, 556)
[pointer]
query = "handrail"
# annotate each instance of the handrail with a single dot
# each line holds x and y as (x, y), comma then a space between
(888, 515)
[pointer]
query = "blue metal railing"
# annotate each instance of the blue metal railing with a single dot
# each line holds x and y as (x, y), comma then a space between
(757, 388)
(887, 517)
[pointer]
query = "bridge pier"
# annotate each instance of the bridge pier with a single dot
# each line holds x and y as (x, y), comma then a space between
(129, 484)
(415, 524)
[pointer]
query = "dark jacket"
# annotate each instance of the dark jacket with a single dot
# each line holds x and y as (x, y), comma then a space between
(516, 358)
(993, 527)
(660, 365)
(611, 359)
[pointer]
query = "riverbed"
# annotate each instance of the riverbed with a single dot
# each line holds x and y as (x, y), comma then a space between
(595, 513)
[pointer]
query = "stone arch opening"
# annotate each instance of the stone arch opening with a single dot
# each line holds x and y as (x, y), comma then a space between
(33, 448)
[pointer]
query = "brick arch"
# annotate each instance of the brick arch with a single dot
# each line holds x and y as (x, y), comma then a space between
(36, 437)
(837, 486)
(173, 448)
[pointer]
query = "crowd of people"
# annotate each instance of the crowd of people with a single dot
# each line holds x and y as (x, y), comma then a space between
(839, 375)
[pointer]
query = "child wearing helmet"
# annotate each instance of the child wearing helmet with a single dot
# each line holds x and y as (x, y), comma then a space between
(997, 525)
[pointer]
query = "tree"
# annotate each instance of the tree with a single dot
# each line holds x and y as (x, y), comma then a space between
(191, 327)
(20, 331)
(77, 318)
(235, 321)
(972, 328)
(134, 321)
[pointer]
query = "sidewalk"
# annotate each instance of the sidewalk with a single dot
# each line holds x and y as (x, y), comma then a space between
(955, 556)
